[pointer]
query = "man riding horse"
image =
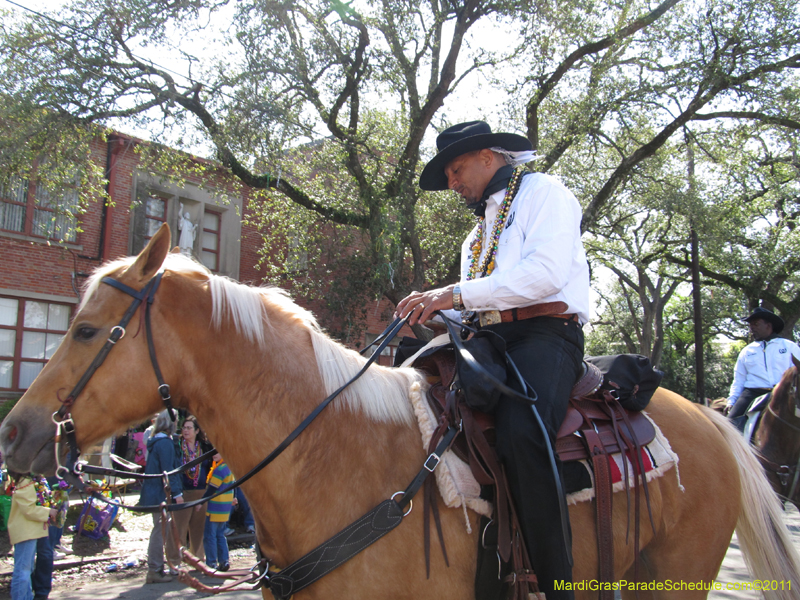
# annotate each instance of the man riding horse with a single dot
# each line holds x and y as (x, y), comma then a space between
(524, 275)
(760, 364)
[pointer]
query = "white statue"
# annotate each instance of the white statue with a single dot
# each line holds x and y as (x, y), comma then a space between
(188, 232)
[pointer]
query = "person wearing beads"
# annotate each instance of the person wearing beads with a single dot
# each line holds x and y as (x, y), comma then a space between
(192, 522)
(31, 513)
(524, 275)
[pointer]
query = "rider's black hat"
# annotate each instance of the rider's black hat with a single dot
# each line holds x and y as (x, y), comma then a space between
(460, 139)
(769, 317)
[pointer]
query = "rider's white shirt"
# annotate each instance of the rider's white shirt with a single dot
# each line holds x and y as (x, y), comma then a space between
(540, 256)
(762, 364)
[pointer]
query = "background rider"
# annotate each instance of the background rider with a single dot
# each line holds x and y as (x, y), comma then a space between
(761, 363)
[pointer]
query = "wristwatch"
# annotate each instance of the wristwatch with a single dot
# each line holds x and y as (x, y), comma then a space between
(457, 304)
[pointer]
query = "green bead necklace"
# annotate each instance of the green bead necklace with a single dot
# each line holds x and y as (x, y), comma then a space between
(478, 268)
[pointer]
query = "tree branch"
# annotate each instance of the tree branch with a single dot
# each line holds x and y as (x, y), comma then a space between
(532, 112)
(756, 116)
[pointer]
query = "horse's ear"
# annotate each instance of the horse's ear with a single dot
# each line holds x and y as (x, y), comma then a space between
(152, 257)
(175, 250)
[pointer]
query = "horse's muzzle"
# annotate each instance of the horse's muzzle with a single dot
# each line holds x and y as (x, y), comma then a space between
(26, 441)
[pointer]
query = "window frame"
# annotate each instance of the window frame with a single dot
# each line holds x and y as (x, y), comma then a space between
(17, 359)
(60, 202)
(217, 233)
(165, 218)
(32, 208)
(17, 183)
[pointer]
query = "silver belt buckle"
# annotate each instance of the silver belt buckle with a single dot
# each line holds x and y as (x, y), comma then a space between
(489, 317)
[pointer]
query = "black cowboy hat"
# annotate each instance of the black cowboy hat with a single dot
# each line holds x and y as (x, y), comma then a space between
(460, 139)
(769, 317)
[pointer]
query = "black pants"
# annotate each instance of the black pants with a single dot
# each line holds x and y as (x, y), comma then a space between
(548, 352)
(744, 401)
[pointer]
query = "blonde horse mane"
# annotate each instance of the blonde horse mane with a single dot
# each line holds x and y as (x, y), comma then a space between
(381, 393)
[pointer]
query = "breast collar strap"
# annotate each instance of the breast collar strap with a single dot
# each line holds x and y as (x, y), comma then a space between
(65, 427)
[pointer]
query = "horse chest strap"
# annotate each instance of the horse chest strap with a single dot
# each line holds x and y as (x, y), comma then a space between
(337, 550)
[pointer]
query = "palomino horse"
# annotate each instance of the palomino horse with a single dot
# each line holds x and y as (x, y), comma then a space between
(250, 364)
(777, 436)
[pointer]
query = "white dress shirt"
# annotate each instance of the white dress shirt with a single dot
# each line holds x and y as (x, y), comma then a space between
(540, 256)
(761, 365)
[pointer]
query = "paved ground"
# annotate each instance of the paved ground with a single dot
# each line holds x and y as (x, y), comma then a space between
(734, 571)
(134, 588)
(129, 584)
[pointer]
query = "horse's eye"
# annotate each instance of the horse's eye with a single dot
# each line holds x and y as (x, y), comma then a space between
(84, 333)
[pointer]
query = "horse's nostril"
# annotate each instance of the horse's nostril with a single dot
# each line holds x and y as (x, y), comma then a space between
(12, 434)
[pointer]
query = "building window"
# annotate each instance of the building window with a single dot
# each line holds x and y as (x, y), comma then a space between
(387, 355)
(296, 255)
(209, 252)
(30, 333)
(13, 202)
(155, 215)
(33, 210)
(54, 214)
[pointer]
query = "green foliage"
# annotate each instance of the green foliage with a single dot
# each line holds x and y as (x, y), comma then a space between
(6, 407)
(679, 370)
(340, 265)
(719, 353)
(662, 119)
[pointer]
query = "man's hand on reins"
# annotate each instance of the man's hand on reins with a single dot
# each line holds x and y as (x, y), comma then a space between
(421, 305)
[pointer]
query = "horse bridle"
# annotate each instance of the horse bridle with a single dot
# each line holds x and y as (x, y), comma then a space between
(65, 426)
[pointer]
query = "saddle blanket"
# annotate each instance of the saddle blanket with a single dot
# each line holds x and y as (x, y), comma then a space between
(657, 458)
(458, 487)
(457, 484)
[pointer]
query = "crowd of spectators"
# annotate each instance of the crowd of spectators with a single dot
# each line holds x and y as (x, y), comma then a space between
(38, 510)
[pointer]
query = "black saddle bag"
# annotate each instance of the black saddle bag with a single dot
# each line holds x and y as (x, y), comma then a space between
(631, 377)
(479, 385)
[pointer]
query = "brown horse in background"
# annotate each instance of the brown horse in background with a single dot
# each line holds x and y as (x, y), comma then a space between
(777, 436)
(250, 365)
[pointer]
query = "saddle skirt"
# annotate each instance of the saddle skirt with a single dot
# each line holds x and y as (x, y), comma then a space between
(457, 485)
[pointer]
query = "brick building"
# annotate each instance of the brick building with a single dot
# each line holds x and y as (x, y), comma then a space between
(45, 259)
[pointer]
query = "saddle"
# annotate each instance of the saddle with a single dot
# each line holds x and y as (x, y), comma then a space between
(595, 427)
(748, 422)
